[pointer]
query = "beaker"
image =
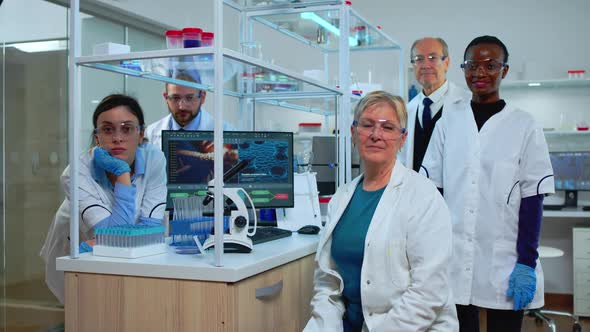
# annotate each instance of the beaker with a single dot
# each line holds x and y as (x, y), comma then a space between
(304, 158)
(252, 49)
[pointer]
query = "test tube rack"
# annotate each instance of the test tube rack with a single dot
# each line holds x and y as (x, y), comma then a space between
(129, 241)
(182, 231)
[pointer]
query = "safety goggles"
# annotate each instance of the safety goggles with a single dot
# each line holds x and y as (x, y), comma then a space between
(189, 99)
(123, 130)
(490, 66)
(383, 129)
(431, 58)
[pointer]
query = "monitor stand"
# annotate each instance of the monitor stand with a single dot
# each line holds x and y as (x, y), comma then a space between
(571, 199)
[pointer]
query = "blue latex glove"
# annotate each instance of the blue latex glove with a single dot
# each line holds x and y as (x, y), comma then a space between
(145, 221)
(104, 160)
(522, 286)
(85, 247)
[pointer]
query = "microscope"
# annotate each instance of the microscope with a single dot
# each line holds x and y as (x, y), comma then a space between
(237, 240)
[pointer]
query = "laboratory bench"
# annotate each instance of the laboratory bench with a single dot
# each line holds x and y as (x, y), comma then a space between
(269, 289)
(567, 213)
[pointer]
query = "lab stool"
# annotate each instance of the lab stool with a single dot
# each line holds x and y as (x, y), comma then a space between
(540, 315)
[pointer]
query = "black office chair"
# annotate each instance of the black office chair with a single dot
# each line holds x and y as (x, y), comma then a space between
(540, 315)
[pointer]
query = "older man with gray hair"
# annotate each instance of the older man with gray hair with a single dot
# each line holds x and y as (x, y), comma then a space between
(430, 58)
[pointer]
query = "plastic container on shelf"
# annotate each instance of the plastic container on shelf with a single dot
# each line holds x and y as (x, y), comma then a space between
(191, 37)
(310, 127)
(582, 125)
(207, 39)
(360, 33)
(174, 39)
(576, 74)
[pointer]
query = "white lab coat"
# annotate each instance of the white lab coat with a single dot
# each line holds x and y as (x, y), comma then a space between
(485, 175)
(404, 277)
(454, 95)
(96, 202)
(154, 131)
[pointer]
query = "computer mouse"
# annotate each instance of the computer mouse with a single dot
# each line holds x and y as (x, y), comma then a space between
(309, 229)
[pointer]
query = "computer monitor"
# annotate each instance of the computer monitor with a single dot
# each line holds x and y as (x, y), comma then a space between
(572, 173)
(268, 178)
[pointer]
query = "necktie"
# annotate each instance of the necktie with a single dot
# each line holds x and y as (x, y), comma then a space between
(426, 114)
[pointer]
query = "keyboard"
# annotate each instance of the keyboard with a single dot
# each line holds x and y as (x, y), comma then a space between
(265, 234)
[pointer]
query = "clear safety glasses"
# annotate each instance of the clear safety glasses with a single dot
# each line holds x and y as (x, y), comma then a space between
(383, 129)
(125, 130)
(190, 99)
(490, 66)
(432, 59)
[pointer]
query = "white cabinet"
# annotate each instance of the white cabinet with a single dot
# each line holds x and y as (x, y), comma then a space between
(581, 271)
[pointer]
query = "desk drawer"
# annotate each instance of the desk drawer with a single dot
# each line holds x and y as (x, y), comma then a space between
(581, 242)
(274, 300)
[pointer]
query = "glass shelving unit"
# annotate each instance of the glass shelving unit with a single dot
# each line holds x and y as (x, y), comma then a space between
(320, 27)
(331, 26)
(244, 76)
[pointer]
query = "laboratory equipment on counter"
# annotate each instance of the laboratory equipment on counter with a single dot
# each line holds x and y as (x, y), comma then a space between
(237, 239)
(572, 174)
(268, 179)
(129, 241)
(307, 205)
(191, 219)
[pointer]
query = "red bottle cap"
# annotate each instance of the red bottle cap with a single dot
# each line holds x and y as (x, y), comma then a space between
(173, 33)
(192, 30)
(207, 35)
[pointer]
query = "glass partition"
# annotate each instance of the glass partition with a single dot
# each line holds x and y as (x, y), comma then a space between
(33, 136)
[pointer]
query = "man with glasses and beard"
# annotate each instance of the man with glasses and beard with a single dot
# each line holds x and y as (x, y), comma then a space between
(185, 106)
(430, 58)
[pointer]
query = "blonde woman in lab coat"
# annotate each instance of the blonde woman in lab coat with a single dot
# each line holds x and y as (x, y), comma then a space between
(492, 162)
(121, 181)
(381, 263)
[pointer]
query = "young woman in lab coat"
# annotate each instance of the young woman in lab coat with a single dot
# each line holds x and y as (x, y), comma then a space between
(491, 160)
(381, 263)
(121, 181)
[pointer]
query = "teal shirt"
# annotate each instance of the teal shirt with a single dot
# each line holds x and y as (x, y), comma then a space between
(348, 247)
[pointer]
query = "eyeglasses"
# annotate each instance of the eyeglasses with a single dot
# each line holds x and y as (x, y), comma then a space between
(432, 59)
(388, 130)
(490, 66)
(124, 131)
(187, 99)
